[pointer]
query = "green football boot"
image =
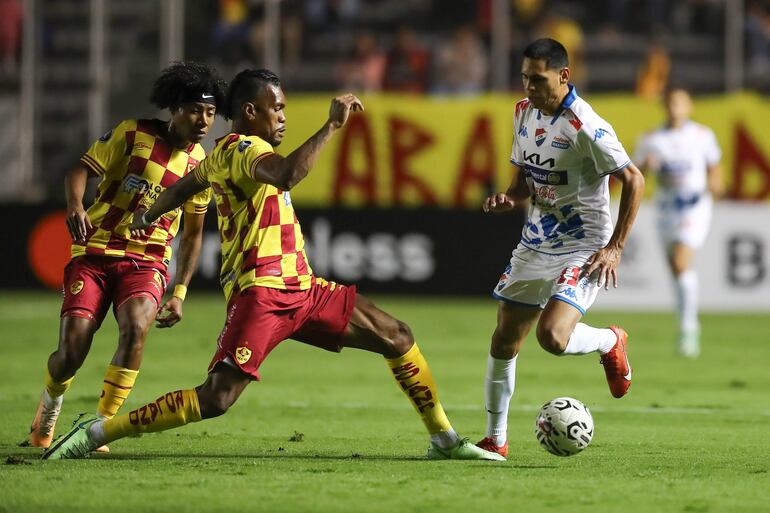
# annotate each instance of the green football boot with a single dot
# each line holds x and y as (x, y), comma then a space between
(75, 444)
(464, 450)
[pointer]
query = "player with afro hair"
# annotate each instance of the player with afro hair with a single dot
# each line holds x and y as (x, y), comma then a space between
(136, 161)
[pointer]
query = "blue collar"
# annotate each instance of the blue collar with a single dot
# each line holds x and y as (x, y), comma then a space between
(565, 104)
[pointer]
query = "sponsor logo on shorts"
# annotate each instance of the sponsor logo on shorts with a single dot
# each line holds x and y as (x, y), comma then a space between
(242, 354)
(570, 276)
(159, 282)
(76, 287)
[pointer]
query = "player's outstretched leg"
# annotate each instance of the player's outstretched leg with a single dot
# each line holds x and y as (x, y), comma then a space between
(171, 410)
(372, 329)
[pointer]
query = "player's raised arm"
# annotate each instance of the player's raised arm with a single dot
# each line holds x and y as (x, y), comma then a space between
(168, 200)
(286, 172)
(505, 201)
(607, 259)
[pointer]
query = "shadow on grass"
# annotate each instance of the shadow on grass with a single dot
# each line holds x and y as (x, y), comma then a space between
(27, 457)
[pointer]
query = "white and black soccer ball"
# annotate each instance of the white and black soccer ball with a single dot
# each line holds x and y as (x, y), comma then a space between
(564, 426)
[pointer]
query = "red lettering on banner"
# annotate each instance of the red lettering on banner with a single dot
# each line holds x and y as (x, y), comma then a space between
(478, 164)
(356, 133)
(748, 156)
(406, 140)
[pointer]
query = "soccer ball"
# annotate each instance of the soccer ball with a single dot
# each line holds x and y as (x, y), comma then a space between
(564, 426)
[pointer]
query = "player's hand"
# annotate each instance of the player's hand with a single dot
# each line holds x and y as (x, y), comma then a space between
(137, 226)
(606, 261)
(78, 223)
(341, 108)
(170, 313)
(499, 202)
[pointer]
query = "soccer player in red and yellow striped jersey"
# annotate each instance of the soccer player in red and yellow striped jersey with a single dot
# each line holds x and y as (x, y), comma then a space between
(136, 161)
(272, 293)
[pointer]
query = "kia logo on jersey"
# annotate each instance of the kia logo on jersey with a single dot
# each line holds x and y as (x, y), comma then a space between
(539, 136)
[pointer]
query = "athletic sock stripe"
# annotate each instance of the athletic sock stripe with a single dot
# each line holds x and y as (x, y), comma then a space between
(117, 386)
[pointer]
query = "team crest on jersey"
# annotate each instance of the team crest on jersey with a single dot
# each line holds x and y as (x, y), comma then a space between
(76, 287)
(540, 136)
(243, 145)
(106, 136)
(242, 354)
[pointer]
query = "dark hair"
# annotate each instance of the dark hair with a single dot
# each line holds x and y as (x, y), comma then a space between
(182, 81)
(245, 86)
(551, 51)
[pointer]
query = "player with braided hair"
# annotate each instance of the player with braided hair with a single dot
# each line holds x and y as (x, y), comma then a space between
(136, 161)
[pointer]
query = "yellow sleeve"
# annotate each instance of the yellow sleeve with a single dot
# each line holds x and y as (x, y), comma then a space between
(201, 172)
(199, 203)
(111, 149)
(249, 153)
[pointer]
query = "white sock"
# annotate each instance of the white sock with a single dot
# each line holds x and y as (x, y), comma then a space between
(687, 301)
(586, 339)
(445, 439)
(96, 432)
(499, 385)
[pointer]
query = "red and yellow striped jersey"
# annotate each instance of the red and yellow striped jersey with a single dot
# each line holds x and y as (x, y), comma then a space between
(136, 164)
(262, 243)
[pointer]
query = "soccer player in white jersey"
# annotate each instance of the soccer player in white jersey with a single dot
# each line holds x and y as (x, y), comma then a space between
(685, 156)
(563, 154)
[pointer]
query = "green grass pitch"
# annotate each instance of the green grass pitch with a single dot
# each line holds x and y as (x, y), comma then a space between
(691, 436)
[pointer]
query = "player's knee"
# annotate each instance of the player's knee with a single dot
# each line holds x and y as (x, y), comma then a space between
(551, 339)
(132, 333)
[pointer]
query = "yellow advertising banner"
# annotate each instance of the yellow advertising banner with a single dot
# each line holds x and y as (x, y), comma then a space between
(450, 152)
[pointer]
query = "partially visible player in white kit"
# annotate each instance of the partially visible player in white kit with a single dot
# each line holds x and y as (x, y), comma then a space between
(685, 156)
(563, 154)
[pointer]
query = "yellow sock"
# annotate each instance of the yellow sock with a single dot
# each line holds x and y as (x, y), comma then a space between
(56, 388)
(168, 411)
(413, 374)
(118, 382)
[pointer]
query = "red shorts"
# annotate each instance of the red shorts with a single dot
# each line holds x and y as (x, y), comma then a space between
(92, 282)
(260, 318)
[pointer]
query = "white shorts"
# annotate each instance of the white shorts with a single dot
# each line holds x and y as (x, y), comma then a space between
(533, 278)
(687, 224)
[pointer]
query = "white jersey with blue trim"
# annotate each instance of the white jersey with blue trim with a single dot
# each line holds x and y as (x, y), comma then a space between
(566, 159)
(681, 157)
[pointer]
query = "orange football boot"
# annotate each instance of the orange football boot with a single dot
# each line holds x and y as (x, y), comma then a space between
(617, 369)
(488, 444)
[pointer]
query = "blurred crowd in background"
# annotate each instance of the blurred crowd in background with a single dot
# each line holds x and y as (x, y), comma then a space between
(92, 61)
(442, 47)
